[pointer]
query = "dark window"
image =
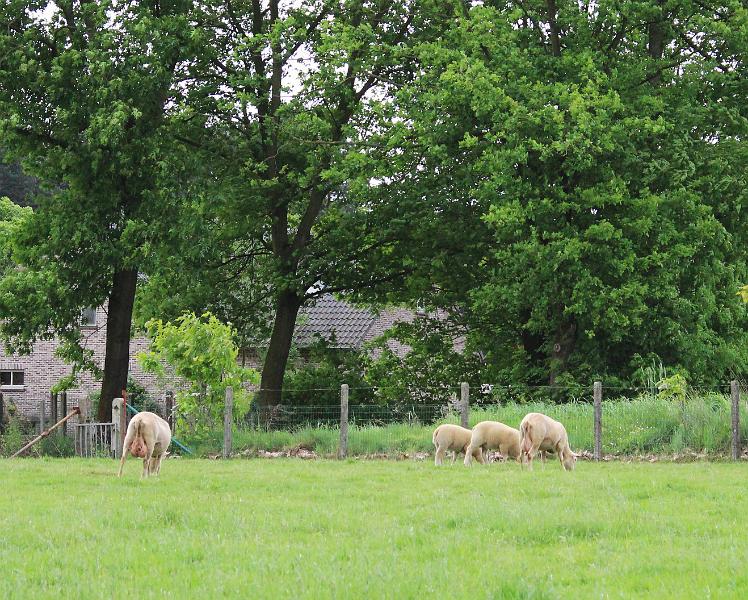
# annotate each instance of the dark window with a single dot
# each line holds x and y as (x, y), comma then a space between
(9, 378)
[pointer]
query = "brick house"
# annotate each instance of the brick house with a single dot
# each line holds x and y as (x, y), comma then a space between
(25, 381)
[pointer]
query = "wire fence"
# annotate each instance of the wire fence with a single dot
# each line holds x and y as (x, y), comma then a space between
(634, 421)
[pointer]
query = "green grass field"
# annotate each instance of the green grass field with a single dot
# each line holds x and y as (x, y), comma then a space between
(372, 529)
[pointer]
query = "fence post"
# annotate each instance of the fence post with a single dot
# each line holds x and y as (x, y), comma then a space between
(598, 400)
(169, 407)
(228, 414)
(2, 414)
(735, 394)
(464, 403)
(41, 414)
(53, 408)
(343, 448)
(118, 437)
(64, 412)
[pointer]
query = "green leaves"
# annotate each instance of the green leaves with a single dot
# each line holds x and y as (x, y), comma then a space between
(201, 351)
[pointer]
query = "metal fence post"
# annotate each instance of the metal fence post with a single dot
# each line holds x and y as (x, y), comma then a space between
(464, 403)
(118, 436)
(343, 448)
(598, 400)
(735, 395)
(228, 414)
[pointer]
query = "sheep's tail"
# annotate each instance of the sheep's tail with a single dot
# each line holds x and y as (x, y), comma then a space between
(433, 437)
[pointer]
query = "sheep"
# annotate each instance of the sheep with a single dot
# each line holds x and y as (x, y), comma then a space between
(148, 437)
(540, 432)
(454, 438)
(489, 435)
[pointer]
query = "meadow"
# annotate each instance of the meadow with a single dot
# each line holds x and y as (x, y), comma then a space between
(288, 528)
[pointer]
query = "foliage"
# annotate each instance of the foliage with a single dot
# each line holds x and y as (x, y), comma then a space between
(201, 351)
(11, 218)
(139, 398)
(316, 378)
(673, 388)
(606, 184)
(86, 98)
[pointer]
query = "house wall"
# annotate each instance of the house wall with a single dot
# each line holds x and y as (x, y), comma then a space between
(43, 369)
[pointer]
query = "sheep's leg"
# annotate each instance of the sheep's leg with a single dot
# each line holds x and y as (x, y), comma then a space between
(469, 455)
(479, 455)
(125, 451)
(439, 456)
(454, 456)
(147, 461)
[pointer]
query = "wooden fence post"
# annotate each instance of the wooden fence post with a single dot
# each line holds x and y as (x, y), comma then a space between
(64, 412)
(735, 395)
(598, 400)
(118, 437)
(53, 407)
(343, 448)
(464, 403)
(169, 407)
(42, 422)
(228, 419)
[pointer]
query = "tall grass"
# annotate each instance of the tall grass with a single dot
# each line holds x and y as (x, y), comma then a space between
(646, 424)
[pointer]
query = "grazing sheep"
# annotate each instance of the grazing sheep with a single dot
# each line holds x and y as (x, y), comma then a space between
(454, 438)
(488, 435)
(148, 437)
(540, 432)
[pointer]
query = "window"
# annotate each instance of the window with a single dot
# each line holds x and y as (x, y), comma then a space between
(10, 379)
(88, 317)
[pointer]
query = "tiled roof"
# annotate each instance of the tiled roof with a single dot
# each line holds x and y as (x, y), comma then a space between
(331, 318)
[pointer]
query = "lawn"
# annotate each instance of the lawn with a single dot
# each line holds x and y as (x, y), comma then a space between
(372, 529)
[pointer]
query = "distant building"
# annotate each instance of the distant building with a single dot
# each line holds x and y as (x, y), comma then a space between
(26, 380)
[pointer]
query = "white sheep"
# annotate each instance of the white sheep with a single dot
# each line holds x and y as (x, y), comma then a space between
(540, 432)
(454, 438)
(149, 436)
(492, 435)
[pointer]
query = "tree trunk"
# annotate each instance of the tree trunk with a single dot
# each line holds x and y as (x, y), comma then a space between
(563, 345)
(279, 347)
(656, 44)
(552, 15)
(117, 357)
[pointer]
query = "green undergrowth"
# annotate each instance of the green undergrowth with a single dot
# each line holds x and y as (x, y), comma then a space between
(640, 426)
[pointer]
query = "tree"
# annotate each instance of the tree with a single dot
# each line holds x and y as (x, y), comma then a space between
(87, 97)
(595, 144)
(201, 350)
(294, 97)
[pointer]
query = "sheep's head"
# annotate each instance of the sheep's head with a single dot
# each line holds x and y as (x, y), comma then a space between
(569, 459)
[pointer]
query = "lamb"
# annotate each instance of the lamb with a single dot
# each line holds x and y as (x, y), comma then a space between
(489, 435)
(540, 432)
(148, 437)
(454, 438)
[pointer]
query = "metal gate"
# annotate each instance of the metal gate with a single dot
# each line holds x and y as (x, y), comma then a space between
(94, 439)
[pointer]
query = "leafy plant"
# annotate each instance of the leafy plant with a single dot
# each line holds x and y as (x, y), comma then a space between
(673, 388)
(201, 351)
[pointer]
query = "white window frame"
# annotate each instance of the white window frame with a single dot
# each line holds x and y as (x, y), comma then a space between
(13, 386)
